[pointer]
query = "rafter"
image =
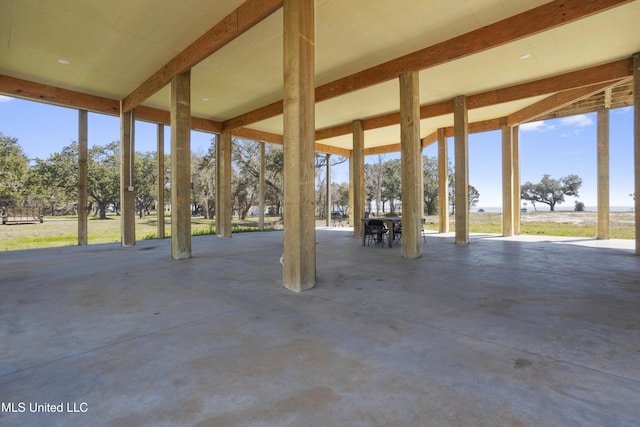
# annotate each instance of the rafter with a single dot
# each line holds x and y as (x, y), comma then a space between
(233, 25)
(555, 102)
(607, 98)
(533, 21)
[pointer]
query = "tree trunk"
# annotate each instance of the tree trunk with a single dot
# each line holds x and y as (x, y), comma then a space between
(206, 208)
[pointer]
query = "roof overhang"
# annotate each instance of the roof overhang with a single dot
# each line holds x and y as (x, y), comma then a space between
(514, 60)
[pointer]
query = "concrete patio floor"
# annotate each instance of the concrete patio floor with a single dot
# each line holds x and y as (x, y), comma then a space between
(516, 331)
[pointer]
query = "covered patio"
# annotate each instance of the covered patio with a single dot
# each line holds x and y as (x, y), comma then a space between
(461, 330)
(520, 331)
(344, 78)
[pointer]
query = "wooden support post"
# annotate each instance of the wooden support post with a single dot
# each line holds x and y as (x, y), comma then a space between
(443, 182)
(82, 177)
(636, 144)
(352, 179)
(515, 137)
(181, 166)
(328, 189)
(603, 216)
(507, 179)
(411, 165)
(262, 187)
(224, 202)
(160, 208)
(357, 179)
(460, 132)
(127, 190)
(299, 269)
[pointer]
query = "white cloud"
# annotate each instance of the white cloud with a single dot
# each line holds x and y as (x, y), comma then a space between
(5, 98)
(539, 126)
(581, 120)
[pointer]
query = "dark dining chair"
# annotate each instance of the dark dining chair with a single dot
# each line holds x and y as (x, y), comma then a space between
(397, 233)
(375, 231)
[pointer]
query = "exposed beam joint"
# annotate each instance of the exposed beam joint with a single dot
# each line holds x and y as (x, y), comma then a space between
(554, 102)
(607, 97)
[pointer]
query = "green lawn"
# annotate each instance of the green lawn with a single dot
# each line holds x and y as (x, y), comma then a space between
(560, 223)
(63, 231)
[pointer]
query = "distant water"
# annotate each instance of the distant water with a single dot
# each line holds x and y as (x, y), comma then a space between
(545, 208)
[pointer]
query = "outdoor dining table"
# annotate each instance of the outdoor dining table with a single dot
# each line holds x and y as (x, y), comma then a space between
(388, 222)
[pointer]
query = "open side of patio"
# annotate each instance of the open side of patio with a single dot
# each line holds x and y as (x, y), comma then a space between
(501, 332)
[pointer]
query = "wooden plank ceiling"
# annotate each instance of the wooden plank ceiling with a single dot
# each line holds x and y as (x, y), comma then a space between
(520, 59)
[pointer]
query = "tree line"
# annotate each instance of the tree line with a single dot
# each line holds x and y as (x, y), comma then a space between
(51, 184)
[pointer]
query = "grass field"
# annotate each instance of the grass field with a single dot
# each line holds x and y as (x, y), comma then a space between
(559, 223)
(63, 231)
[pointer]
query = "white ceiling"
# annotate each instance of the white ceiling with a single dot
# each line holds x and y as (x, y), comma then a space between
(113, 46)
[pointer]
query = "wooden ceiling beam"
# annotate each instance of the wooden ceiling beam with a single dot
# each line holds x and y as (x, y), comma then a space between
(258, 135)
(429, 139)
(475, 127)
(382, 149)
(68, 98)
(329, 149)
(250, 13)
(334, 131)
(554, 102)
(478, 127)
(609, 74)
(54, 95)
(274, 138)
(202, 125)
(542, 18)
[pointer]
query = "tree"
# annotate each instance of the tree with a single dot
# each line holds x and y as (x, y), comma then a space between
(103, 176)
(274, 180)
(474, 194)
(13, 170)
(321, 180)
(54, 181)
(146, 177)
(245, 176)
(551, 191)
(203, 176)
(430, 184)
(340, 197)
(373, 178)
(246, 157)
(391, 183)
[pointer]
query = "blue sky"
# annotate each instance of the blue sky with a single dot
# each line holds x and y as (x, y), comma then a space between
(557, 147)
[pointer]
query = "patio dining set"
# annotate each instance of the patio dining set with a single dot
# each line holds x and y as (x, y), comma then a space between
(378, 230)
